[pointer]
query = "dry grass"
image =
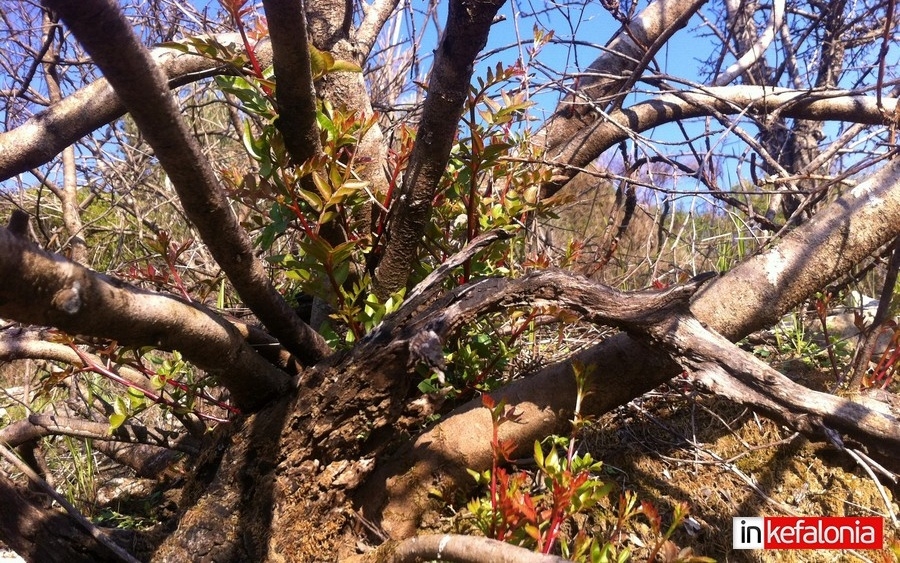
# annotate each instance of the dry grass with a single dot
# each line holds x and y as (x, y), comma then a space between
(671, 446)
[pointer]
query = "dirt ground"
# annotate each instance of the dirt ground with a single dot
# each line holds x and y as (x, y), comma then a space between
(727, 462)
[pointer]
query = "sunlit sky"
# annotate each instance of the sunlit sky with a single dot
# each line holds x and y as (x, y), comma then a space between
(580, 29)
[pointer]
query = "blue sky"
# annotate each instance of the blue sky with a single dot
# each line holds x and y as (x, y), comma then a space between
(580, 30)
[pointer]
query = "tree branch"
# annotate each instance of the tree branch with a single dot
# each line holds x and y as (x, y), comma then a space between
(754, 295)
(295, 93)
(456, 548)
(105, 33)
(753, 54)
(468, 25)
(835, 105)
(45, 135)
(623, 58)
(106, 546)
(376, 15)
(663, 318)
(52, 291)
(30, 344)
(40, 425)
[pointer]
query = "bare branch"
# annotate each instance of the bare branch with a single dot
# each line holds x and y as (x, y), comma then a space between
(829, 105)
(100, 26)
(757, 49)
(624, 57)
(468, 25)
(118, 553)
(52, 291)
(40, 425)
(664, 317)
(45, 135)
(460, 549)
(295, 93)
(376, 15)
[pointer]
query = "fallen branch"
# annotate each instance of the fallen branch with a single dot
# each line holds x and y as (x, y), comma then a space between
(456, 548)
(39, 425)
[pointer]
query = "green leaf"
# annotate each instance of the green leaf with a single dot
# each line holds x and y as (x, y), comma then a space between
(345, 66)
(311, 198)
(319, 62)
(321, 183)
(220, 298)
(538, 454)
(347, 190)
(317, 248)
(157, 382)
(136, 397)
(115, 421)
(251, 145)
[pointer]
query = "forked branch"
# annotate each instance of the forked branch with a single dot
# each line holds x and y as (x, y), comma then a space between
(105, 33)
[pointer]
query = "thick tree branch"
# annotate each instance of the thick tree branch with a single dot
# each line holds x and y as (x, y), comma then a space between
(45, 135)
(622, 61)
(376, 15)
(754, 295)
(105, 33)
(108, 546)
(831, 105)
(665, 319)
(295, 93)
(468, 25)
(42, 534)
(460, 549)
(723, 367)
(756, 51)
(17, 344)
(51, 291)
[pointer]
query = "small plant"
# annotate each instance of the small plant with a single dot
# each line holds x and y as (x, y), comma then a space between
(532, 509)
(885, 370)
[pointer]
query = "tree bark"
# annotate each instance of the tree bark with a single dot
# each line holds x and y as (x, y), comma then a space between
(68, 193)
(468, 25)
(296, 95)
(752, 296)
(41, 534)
(44, 136)
(51, 291)
(623, 59)
(105, 33)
